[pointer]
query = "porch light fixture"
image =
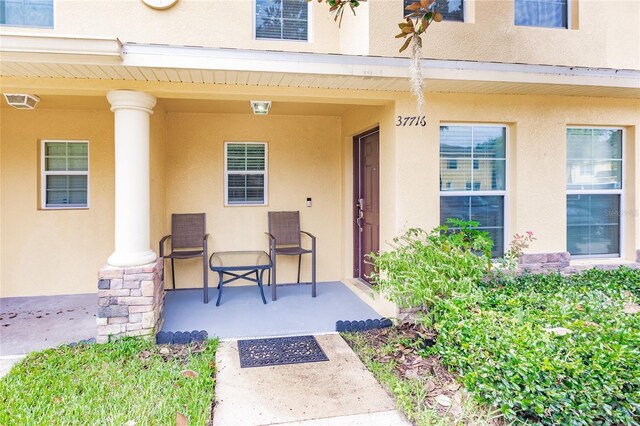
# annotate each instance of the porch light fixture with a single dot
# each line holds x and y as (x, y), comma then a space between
(22, 101)
(260, 107)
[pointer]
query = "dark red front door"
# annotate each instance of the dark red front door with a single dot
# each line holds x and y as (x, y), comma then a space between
(366, 202)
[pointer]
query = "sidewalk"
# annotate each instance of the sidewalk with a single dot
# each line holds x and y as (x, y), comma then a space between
(340, 391)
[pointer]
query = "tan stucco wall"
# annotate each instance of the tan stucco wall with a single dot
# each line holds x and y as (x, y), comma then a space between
(600, 36)
(48, 252)
(157, 170)
(304, 160)
(536, 192)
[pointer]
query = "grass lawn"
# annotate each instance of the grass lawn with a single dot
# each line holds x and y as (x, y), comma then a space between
(111, 384)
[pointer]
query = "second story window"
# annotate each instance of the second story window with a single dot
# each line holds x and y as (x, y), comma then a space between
(451, 10)
(282, 19)
(541, 13)
(27, 13)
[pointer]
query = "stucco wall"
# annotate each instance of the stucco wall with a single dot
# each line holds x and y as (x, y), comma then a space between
(157, 170)
(536, 183)
(304, 161)
(600, 35)
(48, 252)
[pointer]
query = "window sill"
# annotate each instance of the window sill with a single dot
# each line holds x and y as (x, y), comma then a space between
(63, 208)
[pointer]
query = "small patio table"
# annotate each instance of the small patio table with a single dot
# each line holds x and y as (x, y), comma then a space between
(238, 265)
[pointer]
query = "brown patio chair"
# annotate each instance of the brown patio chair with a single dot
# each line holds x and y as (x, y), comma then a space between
(188, 240)
(285, 240)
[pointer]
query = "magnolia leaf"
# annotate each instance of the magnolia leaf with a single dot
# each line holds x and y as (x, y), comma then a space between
(401, 35)
(443, 400)
(401, 25)
(437, 17)
(405, 45)
(424, 4)
(181, 420)
(408, 30)
(413, 6)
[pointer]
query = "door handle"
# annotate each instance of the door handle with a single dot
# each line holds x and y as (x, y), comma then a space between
(359, 219)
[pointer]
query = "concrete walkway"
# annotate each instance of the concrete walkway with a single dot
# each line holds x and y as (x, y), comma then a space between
(34, 323)
(340, 391)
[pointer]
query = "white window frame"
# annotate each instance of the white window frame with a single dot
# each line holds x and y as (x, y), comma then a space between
(471, 193)
(44, 174)
(247, 172)
(309, 27)
(620, 192)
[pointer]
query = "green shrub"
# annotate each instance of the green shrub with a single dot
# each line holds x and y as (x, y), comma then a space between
(424, 267)
(497, 341)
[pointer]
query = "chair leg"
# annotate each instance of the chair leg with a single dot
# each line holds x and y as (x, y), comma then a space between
(313, 271)
(173, 275)
(299, 263)
(273, 279)
(206, 278)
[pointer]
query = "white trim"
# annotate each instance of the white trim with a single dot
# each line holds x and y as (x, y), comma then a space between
(620, 191)
(369, 66)
(500, 192)
(265, 173)
(44, 174)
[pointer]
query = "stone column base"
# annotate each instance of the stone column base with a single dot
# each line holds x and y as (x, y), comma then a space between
(131, 301)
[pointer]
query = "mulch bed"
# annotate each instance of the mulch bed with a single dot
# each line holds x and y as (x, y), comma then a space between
(442, 392)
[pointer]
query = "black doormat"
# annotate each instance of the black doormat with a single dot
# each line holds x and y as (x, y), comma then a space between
(280, 351)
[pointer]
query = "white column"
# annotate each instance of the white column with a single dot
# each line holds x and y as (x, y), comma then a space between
(132, 110)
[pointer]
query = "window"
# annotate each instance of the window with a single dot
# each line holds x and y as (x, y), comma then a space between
(65, 174)
(451, 10)
(245, 167)
(594, 191)
(282, 19)
(474, 193)
(28, 13)
(541, 13)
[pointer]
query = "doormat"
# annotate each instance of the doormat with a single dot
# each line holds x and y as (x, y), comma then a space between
(280, 351)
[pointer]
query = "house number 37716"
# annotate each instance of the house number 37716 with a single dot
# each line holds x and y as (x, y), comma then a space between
(411, 121)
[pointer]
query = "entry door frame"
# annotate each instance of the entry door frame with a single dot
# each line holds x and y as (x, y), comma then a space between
(358, 179)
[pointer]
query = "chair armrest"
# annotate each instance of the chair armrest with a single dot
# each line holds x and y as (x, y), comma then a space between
(165, 238)
(272, 244)
(310, 235)
(204, 244)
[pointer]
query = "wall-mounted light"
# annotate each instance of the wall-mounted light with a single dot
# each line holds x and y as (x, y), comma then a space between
(22, 101)
(261, 107)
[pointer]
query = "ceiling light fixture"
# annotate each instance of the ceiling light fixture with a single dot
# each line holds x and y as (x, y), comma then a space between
(21, 101)
(261, 107)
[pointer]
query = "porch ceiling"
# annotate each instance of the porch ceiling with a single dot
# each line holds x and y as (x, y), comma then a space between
(76, 59)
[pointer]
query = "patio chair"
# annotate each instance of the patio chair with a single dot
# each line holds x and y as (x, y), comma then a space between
(188, 240)
(285, 240)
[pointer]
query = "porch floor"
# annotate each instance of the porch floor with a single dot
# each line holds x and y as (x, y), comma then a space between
(242, 314)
